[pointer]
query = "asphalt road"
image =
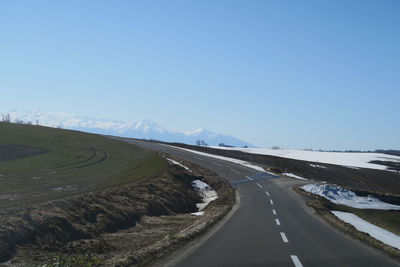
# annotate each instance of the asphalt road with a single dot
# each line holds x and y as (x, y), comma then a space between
(272, 226)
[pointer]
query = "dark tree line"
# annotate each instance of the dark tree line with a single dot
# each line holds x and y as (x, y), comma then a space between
(201, 143)
(389, 152)
(7, 118)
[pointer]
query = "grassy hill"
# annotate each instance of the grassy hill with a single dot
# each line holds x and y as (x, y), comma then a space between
(40, 163)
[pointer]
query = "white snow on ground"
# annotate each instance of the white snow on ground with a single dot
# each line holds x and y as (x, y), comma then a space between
(341, 196)
(237, 161)
(338, 158)
(206, 193)
(199, 213)
(317, 166)
(376, 232)
(177, 163)
(294, 176)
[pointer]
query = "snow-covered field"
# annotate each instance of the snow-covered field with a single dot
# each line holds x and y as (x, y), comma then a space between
(206, 192)
(363, 226)
(360, 160)
(341, 196)
(177, 163)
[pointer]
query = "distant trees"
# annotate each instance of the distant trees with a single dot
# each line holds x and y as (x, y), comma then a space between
(201, 143)
(339, 151)
(6, 118)
(389, 152)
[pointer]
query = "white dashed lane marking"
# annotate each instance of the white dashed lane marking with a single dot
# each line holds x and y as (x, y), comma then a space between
(296, 261)
(266, 192)
(277, 222)
(284, 238)
(235, 171)
(251, 179)
(274, 212)
(272, 203)
(260, 186)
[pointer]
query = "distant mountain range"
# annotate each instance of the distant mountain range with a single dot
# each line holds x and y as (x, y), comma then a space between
(143, 129)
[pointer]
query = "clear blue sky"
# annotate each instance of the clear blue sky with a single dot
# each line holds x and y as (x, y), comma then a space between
(298, 74)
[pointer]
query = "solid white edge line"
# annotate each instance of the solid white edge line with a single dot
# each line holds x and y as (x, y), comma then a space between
(284, 238)
(251, 179)
(260, 186)
(296, 261)
(266, 192)
(277, 222)
(274, 212)
(272, 203)
(235, 171)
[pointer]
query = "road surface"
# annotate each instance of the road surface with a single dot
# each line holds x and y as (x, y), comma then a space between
(272, 226)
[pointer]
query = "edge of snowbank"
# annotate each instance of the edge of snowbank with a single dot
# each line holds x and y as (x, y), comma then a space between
(374, 231)
(288, 174)
(179, 164)
(342, 196)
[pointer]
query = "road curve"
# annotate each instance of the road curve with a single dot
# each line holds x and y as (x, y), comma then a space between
(272, 226)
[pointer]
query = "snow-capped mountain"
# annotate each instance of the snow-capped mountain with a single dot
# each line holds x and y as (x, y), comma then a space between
(143, 129)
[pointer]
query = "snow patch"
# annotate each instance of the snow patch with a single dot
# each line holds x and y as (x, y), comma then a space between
(376, 232)
(317, 166)
(179, 164)
(199, 213)
(341, 196)
(206, 192)
(294, 176)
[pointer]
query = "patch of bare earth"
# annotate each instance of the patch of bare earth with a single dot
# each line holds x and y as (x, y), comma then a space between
(12, 152)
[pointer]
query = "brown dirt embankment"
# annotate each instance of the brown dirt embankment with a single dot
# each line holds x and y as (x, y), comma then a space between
(159, 236)
(88, 215)
(131, 225)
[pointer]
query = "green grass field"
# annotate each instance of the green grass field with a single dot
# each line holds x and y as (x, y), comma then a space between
(73, 162)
